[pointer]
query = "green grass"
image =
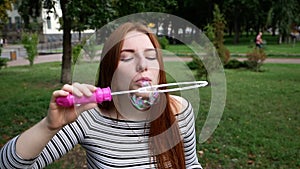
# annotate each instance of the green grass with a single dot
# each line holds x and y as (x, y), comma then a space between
(272, 49)
(25, 95)
(260, 124)
(259, 128)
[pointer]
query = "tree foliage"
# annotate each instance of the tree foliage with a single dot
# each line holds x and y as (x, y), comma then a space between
(80, 15)
(241, 15)
(91, 15)
(30, 42)
(30, 11)
(215, 32)
(125, 7)
(4, 6)
(283, 14)
(218, 25)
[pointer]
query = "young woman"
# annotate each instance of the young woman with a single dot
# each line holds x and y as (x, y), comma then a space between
(132, 131)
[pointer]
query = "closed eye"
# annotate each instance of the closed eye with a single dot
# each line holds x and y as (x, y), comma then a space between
(126, 56)
(150, 54)
(126, 59)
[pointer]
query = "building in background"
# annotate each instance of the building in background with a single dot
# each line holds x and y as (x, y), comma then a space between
(50, 31)
(11, 32)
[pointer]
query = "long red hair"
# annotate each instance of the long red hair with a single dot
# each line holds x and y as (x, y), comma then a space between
(173, 157)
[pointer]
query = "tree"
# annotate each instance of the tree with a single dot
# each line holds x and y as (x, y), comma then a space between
(80, 15)
(4, 6)
(197, 12)
(126, 7)
(215, 32)
(30, 10)
(30, 42)
(219, 24)
(282, 15)
(67, 45)
(235, 11)
(94, 15)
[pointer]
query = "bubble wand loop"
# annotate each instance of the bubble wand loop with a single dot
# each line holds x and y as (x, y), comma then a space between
(105, 94)
(191, 85)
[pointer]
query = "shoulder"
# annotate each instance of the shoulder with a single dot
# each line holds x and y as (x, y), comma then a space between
(185, 115)
(179, 104)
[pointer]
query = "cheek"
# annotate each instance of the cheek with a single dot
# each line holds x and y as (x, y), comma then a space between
(154, 71)
(155, 74)
(122, 78)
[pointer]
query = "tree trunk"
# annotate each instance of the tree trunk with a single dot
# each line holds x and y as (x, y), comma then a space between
(79, 36)
(236, 31)
(236, 25)
(67, 47)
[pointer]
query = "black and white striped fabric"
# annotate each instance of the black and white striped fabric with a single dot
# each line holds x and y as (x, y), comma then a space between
(109, 143)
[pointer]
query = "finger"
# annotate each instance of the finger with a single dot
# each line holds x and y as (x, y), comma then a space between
(77, 92)
(84, 89)
(88, 89)
(91, 87)
(77, 89)
(68, 88)
(55, 95)
(58, 93)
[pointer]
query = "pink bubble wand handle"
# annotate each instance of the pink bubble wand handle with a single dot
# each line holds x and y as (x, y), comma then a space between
(99, 96)
(105, 94)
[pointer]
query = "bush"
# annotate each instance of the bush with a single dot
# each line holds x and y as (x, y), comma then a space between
(197, 64)
(30, 42)
(224, 54)
(234, 64)
(3, 62)
(255, 59)
(192, 65)
(164, 42)
(76, 53)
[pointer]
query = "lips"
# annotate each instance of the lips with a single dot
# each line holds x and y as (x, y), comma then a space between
(142, 81)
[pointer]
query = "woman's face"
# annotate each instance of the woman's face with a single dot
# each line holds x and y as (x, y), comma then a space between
(138, 63)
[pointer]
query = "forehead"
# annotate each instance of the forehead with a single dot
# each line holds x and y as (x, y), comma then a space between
(137, 40)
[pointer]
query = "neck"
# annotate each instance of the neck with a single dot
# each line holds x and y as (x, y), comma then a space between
(127, 111)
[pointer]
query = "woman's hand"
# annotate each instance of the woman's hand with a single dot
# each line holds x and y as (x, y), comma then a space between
(59, 116)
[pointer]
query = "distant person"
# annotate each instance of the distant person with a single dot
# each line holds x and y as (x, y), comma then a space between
(1, 42)
(258, 40)
(294, 36)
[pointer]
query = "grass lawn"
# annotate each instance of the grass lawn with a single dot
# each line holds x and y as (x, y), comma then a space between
(259, 128)
(272, 49)
(260, 125)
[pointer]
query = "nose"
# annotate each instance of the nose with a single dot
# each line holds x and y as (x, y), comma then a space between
(141, 64)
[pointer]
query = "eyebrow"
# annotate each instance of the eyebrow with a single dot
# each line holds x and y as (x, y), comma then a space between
(132, 50)
(127, 50)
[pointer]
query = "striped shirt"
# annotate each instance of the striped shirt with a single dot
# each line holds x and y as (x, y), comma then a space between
(109, 143)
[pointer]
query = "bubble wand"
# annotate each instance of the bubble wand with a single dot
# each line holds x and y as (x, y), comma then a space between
(105, 94)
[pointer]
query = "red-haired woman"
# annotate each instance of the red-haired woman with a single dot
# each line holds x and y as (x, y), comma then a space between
(132, 131)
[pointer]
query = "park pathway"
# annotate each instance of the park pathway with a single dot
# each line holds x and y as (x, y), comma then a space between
(58, 57)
